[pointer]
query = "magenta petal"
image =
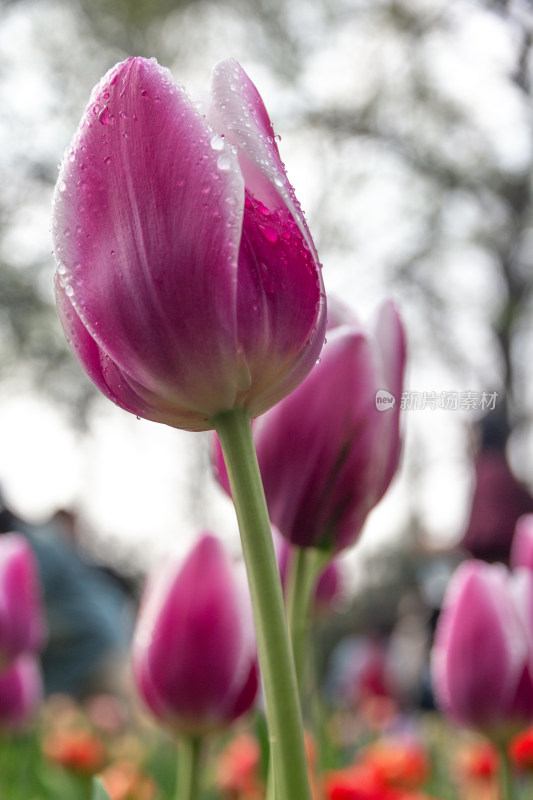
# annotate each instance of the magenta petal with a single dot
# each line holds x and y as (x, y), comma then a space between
(522, 546)
(194, 651)
(305, 446)
(21, 691)
(115, 384)
(390, 353)
(149, 255)
(239, 112)
(327, 452)
(197, 302)
(479, 652)
(22, 626)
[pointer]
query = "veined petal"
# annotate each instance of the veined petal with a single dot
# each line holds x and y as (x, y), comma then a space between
(147, 226)
(239, 112)
(115, 384)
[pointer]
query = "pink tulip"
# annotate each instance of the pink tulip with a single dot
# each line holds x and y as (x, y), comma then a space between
(522, 545)
(326, 452)
(187, 281)
(22, 625)
(481, 657)
(194, 650)
(21, 691)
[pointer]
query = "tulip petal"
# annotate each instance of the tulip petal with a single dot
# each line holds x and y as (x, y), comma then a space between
(319, 469)
(21, 690)
(22, 626)
(390, 350)
(238, 111)
(115, 384)
(143, 251)
(479, 651)
(194, 645)
(278, 295)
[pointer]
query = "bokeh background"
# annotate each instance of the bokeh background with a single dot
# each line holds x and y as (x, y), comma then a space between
(406, 127)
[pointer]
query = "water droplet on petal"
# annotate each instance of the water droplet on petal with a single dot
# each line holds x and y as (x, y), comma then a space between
(269, 234)
(223, 163)
(217, 142)
(62, 186)
(103, 116)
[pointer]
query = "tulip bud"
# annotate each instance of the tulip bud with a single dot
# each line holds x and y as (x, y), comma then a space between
(481, 656)
(21, 691)
(194, 651)
(187, 281)
(328, 451)
(21, 619)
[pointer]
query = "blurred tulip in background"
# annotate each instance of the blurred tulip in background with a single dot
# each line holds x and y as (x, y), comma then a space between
(194, 650)
(22, 625)
(328, 451)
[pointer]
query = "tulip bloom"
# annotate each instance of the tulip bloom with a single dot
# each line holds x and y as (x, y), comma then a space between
(194, 650)
(21, 691)
(22, 626)
(481, 657)
(327, 452)
(187, 281)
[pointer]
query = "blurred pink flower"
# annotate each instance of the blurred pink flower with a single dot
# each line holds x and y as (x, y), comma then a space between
(482, 655)
(327, 452)
(21, 692)
(330, 581)
(194, 650)
(22, 626)
(187, 281)
(522, 545)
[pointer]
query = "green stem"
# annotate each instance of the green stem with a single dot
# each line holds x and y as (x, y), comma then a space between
(506, 775)
(283, 710)
(189, 752)
(304, 569)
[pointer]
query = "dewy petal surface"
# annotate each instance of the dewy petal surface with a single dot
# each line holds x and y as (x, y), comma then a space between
(239, 112)
(144, 253)
(198, 301)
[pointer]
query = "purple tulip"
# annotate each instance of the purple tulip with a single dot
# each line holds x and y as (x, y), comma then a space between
(187, 281)
(327, 453)
(22, 627)
(21, 691)
(194, 650)
(482, 656)
(522, 545)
